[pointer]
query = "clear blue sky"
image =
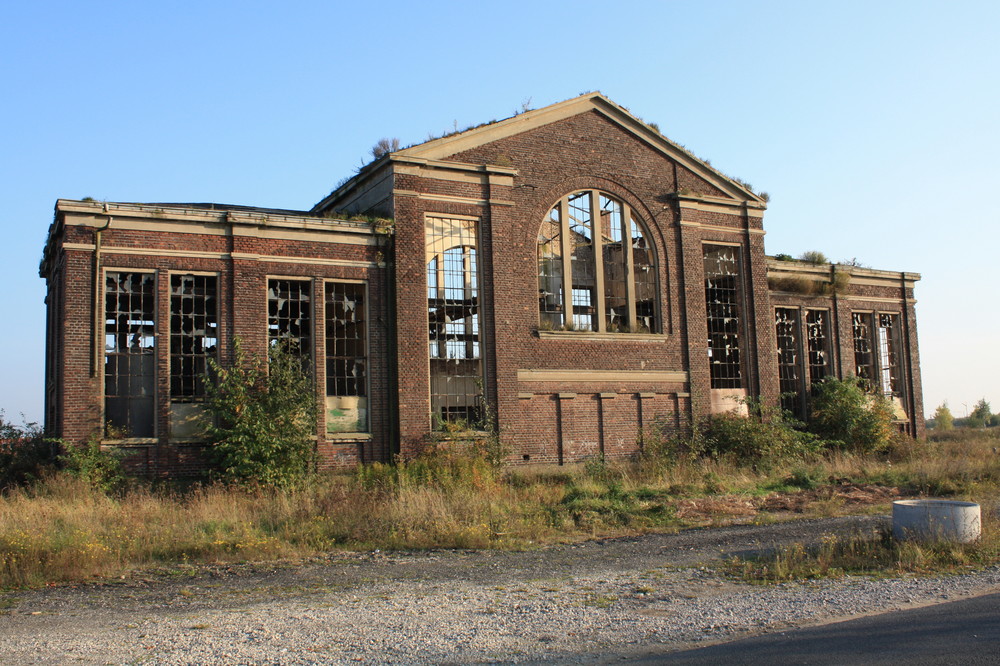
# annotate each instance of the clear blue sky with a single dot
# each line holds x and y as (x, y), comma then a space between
(873, 125)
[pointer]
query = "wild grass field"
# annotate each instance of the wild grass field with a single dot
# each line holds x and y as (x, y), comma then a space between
(62, 528)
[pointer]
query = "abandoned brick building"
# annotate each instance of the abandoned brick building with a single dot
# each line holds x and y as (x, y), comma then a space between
(568, 274)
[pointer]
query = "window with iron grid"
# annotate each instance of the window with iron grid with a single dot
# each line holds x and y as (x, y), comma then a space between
(723, 312)
(194, 333)
(864, 354)
(786, 326)
(818, 345)
(453, 310)
(550, 272)
(289, 314)
(346, 340)
(889, 348)
(129, 353)
(610, 276)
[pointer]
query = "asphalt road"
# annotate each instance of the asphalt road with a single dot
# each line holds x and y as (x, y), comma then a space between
(960, 632)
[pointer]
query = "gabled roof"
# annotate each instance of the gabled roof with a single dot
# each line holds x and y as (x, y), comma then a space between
(446, 146)
(449, 145)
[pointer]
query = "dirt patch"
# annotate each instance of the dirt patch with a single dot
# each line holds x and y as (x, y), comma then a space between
(845, 494)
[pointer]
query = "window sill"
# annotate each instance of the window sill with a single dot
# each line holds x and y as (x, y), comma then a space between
(348, 436)
(464, 436)
(595, 335)
(129, 442)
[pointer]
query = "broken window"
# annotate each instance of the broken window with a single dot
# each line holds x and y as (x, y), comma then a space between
(584, 267)
(129, 353)
(723, 311)
(786, 327)
(454, 326)
(346, 358)
(289, 314)
(194, 333)
(818, 345)
(550, 272)
(877, 351)
(864, 356)
(888, 354)
(610, 281)
(796, 365)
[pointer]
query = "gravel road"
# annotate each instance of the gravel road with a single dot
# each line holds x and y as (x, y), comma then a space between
(592, 602)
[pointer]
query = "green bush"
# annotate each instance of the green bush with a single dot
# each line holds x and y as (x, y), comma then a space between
(25, 453)
(814, 257)
(765, 434)
(847, 416)
(262, 417)
(101, 470)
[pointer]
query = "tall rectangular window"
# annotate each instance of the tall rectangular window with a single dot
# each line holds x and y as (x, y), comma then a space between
(803, 360)
(877, 352)
(786, 328)
(581, 243)
(346, 358)
(194, 333)
(289, 314)
(888, 353)
(818, 345)
(864, 353)
(550, 272)
(129, 353)
(453, 310)
(723, 272)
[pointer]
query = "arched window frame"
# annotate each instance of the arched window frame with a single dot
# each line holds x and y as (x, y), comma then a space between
(555, 256)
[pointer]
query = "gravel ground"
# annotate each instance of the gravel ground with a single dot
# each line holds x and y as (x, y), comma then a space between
(587, 603)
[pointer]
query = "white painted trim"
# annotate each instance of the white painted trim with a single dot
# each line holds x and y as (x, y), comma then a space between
(583, 375)
(720, 228)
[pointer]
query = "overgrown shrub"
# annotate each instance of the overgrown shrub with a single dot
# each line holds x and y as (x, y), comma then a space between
(814, 257)
(262, 417)
(101, 470)
(443, 465)
(765, 434)
(847, 416)
(25, 453)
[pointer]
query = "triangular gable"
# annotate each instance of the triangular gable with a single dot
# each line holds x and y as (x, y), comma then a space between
(440, 149)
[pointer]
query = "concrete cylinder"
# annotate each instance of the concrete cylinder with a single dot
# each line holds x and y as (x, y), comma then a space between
(936, 520)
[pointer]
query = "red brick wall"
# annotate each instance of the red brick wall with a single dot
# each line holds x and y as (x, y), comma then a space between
(242, 312)
(583, 152)
(888, 298)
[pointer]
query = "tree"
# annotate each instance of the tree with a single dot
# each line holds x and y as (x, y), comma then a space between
(981, 415)
(262, 417)
(943, 418)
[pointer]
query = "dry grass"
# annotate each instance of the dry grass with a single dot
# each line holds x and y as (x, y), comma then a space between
(61, 529)
(875, 554)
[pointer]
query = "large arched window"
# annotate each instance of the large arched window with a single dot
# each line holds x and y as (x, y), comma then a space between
(596, 270)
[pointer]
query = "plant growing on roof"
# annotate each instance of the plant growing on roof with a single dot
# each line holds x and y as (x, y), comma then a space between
(814, 257)
(384, 146)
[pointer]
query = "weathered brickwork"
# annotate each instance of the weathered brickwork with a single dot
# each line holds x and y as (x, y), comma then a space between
(554, 396)
(860, 290)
